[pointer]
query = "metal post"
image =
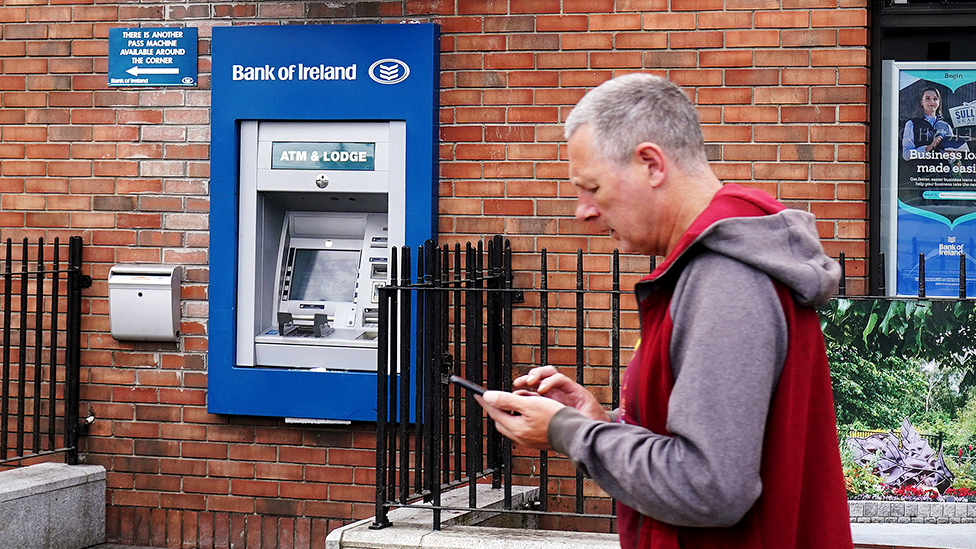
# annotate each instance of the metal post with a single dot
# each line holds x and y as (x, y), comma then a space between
(22, 352)
(380, 519)
(53, 358)
(73, 350)
(406, 300)
(921, 275)
(543, 361)
(881, 274)
(38, 347)
(579, 358)
(962, 275)
(5, 389)
(842, 286)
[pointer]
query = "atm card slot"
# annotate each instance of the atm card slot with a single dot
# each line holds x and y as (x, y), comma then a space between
(378, 270)
(378, 242)
(371, 316)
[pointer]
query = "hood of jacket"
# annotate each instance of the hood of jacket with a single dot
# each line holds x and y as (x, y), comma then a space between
(750, 226)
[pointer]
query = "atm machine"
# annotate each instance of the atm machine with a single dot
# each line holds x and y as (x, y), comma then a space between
(323, 141)
(324, 204)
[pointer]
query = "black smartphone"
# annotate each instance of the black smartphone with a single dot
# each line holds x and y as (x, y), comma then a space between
(471, 386)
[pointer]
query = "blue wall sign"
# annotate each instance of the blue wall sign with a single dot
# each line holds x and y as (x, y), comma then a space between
(332, 73)
(152, 57)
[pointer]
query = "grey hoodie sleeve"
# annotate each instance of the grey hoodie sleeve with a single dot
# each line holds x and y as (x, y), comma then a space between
(727, 350)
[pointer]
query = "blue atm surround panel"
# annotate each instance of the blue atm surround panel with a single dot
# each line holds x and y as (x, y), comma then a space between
(338, 74)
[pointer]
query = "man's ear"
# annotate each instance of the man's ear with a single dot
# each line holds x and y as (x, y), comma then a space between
(653, 161)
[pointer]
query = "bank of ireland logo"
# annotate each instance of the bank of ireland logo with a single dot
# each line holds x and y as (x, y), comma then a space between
(389, 71)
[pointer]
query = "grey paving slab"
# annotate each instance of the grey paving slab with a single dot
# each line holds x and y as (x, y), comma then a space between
(928, 536)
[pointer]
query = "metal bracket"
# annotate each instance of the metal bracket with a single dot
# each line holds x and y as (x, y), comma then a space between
(84, 426)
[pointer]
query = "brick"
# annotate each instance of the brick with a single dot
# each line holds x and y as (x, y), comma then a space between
(752, 38)
(751, 77)
(641, 40)
(480, 43)
(25, 66)
(706, 77)
(809, 38)
(49, 48)
(782, 19)
(617, 21)
(588, 6)
(748, 152)
(507, 97)
(485, 7)
(561, 23)
(852, 37)
(696, 40)
(724, 20)
(839, 18)
(481, 79)
(806, 152)
(697, 5)
(535, 42)
(839, 171)
(839, 57)
(509, 24)
(735, 114)
(808, 77)
(499, 61)
(817, 114)
(562, 60)
(533, 79)
(723, 96)
(587, 41)
(29, 99)
(780, 171)
(617, 59)
(70, 31)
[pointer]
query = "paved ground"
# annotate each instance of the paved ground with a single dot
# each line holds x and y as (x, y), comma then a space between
(874, 536)
(929, 536)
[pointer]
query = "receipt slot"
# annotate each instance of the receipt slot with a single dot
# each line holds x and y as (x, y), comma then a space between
(323, 157)
(321, 204)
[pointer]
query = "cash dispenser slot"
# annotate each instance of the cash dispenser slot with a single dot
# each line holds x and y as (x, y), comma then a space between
(325, 259)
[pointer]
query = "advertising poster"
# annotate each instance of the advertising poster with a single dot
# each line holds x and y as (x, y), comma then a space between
(929, 176)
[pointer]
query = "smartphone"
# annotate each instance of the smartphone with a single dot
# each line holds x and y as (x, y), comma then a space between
(471, 386)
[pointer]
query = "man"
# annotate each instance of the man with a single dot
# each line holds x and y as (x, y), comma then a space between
(725, 436)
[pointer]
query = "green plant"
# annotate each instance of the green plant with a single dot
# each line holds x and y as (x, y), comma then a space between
(859, 480)
(964, 469)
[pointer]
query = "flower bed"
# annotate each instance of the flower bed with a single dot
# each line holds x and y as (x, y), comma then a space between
(941, 512)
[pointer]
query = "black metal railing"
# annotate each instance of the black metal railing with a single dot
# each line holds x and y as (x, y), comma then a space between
(41, 301)
(430, 436)
(458, 315)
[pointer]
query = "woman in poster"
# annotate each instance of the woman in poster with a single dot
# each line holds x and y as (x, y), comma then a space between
(926, 130)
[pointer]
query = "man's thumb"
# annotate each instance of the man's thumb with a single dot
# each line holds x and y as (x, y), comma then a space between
(492, 397)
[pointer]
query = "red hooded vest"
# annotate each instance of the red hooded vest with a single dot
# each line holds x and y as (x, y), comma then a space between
(803, 503)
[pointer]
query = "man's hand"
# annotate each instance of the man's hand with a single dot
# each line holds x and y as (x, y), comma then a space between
(531, 424)
(548, 382)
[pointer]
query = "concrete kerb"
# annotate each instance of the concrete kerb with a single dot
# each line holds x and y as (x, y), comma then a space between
(411, 528)
(52, 506)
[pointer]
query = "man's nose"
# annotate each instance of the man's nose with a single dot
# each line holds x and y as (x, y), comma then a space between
(584, 211)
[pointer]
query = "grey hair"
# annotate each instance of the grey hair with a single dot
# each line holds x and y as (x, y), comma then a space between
(636, 108)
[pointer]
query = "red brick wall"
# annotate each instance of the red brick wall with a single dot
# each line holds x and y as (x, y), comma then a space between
(782, 91)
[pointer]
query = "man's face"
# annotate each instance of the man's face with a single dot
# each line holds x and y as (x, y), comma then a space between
(614, 198)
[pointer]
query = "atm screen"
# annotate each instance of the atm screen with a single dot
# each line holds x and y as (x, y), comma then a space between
(324, 275)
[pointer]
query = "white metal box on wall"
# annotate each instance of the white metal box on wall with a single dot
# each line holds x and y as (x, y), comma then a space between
(144, 302)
